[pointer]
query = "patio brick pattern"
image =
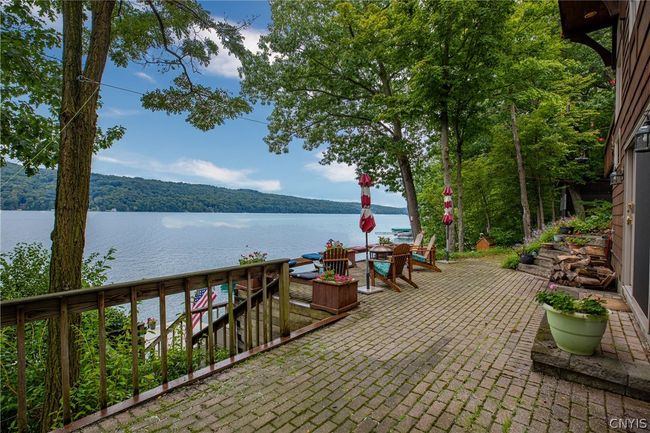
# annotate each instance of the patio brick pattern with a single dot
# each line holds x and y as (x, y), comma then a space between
(453, 355)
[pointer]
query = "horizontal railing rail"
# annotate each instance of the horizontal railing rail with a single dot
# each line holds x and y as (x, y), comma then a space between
(59, 306)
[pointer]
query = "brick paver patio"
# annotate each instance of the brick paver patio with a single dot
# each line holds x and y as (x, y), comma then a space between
(453, 355)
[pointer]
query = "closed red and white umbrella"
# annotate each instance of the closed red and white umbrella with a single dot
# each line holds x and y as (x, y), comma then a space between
(448, 215)
(367, 220)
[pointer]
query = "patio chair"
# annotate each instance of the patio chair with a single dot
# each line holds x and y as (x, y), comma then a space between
(417, 242)
(390, 270)
(426, 258)
(335, 259)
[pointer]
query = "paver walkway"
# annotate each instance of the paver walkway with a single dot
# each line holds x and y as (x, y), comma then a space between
(453, 355)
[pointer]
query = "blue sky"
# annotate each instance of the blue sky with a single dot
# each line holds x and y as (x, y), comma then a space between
(233, 155)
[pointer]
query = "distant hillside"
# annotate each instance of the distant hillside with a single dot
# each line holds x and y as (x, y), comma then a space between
(146, 195)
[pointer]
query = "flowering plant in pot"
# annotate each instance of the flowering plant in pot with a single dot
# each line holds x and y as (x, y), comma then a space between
(254, 257)
(334, 293)
(566, 226)
(333, 244)
(577, 325)
(151, 323)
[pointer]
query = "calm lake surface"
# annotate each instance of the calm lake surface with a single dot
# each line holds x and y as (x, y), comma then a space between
(157, 244)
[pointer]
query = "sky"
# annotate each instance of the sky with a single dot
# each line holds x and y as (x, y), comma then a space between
(233, 155)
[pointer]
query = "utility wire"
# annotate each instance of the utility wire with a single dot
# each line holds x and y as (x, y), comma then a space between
(61, 131)
(124, 89)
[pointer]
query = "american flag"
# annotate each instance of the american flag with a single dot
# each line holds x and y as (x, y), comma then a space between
(200, 301)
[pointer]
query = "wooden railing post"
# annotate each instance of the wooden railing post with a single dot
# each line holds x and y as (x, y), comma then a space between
(210, 323)
(22, 365)
(231, 318)
(65, 361)
(189, 330)
(284, 300)
(103, 397)
(135, 379)
(248, 320)
(265, 319)
(163, 332)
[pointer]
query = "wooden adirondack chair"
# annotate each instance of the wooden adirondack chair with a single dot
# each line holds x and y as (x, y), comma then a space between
(336, 259)
(417, 242)
(426, 258)
(390, 270)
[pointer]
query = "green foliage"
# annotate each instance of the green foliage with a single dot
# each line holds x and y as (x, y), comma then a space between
(511, 261)
(385, 240)
(577, 240)
(144, 195)
(597, 220)
(338, 75)
(565, 303)
(173, 37)
(547, 235)
(494, 251)
(24, 271)
(254, 257)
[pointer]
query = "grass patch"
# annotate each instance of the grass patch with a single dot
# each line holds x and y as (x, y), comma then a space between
(495, 251)
(511, 261)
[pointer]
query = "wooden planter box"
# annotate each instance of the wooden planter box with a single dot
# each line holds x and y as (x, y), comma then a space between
(256, 284)
(334, 297)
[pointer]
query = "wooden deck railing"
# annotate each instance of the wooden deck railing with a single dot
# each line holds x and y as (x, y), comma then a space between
(58, 306)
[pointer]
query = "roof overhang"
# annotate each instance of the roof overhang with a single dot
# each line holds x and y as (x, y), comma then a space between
(581, 17)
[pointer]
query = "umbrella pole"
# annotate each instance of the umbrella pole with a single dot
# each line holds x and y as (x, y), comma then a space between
(447, 243)
(367, 266)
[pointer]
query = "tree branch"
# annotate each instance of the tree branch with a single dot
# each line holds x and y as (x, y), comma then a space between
(161, 25)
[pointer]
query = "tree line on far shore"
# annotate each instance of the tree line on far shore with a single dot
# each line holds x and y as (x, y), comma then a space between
(133, 194)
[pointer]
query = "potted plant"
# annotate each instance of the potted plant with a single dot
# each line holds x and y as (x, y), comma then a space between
(525, 256)
(385, 240)
(577, 325)
(334, 293)
(254, 257)
(576, 242)
(566, 227)
(151, 323)
(333, 244)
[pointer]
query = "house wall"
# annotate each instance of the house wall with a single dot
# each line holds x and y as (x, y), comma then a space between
(633, 97)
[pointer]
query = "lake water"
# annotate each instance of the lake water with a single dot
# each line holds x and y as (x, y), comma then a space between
(157, 244)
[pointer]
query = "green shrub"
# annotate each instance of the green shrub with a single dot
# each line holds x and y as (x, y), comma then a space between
(565, 303)
(548, 234)
(494, 251)
(511, 261)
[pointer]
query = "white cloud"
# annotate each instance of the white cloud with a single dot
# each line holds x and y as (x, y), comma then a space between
(224, 63)
(334, 172)
(118, 112)
(196, 168)
(144, 76)
(226, 176)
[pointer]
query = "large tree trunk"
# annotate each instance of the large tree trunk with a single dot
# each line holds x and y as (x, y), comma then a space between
(78, 123)
(402, 160)
(486, 210)
(410, 194)
(407, 182)
(540, 206)
(522, 175)
(459, 193)
(446, 165)
(576, 199)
